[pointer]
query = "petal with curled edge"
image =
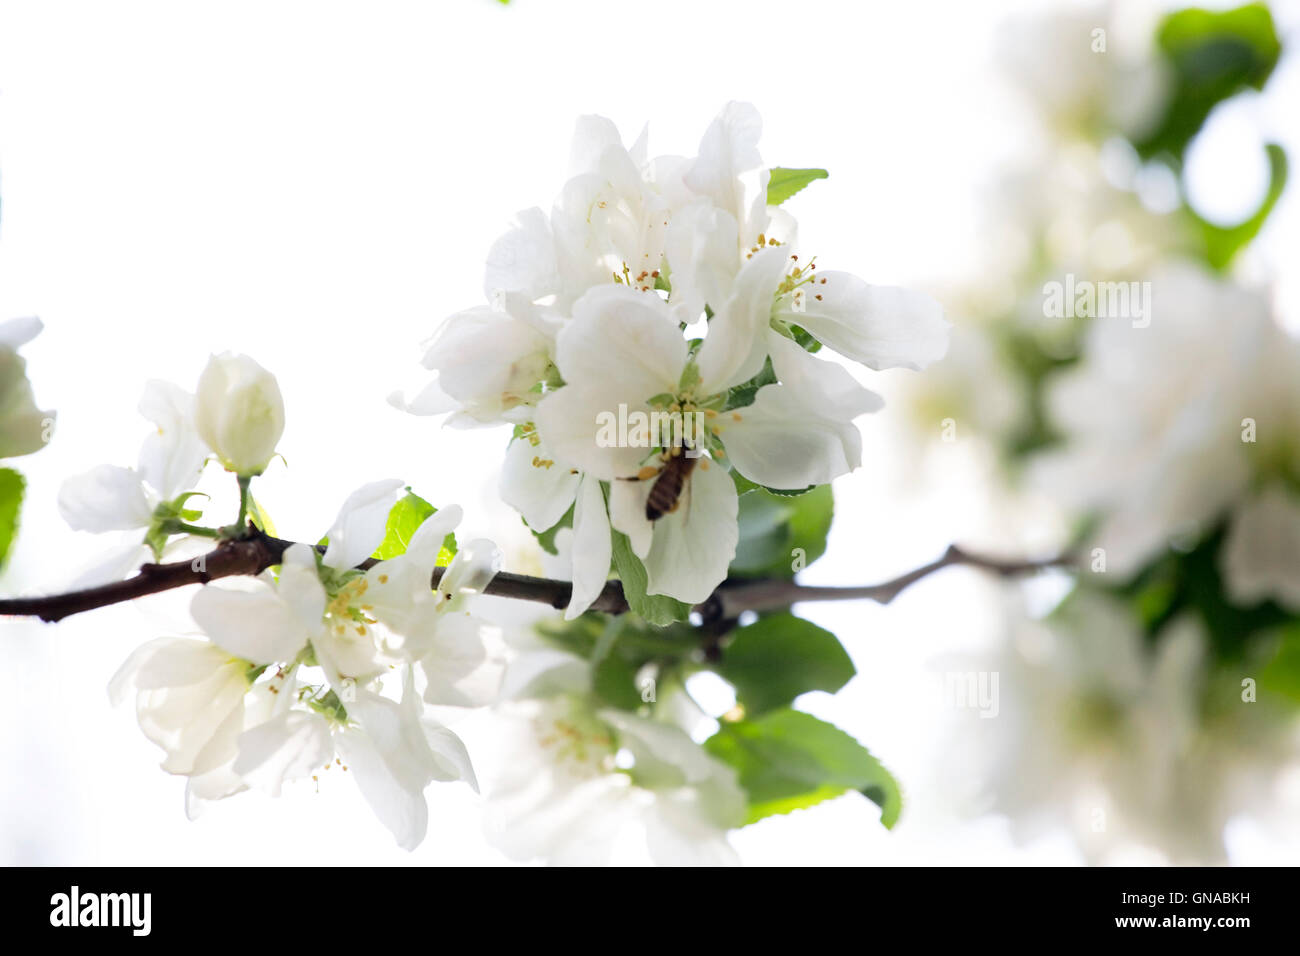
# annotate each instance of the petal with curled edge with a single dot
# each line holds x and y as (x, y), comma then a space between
(880, 326)
(361, 523)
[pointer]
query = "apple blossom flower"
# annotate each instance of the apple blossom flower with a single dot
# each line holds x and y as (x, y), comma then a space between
(623, 351)
(1171, 428)
(235, 729)
(113, 498)
(24, 428)
(189, 700)
(565, 798)
(239, 413)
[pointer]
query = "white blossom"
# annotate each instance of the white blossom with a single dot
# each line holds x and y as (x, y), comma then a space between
(24, 428)
(239, 412)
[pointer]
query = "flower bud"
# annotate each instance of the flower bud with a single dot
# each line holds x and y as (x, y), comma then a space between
(239, 412)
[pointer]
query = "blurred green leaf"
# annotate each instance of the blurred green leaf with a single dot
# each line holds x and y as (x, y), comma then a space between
(1178, 582)
(1212, 55)
(779, 530)
(784, 183)
(12, 486)
(1281, 675)
(779, 657)
(788, 760)
(1222, 243)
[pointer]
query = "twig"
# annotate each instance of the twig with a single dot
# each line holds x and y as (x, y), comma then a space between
(257, 552)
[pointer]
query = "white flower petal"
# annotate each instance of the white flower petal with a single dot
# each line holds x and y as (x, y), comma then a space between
(451, 759)
(591, 547)
(728, 149)
(361, 522)
(286, 747)
(574, 421)
(15, 333)
(1261, 556)
(736, 345)
(627, 500)
(458, 669)
(399, 807)
(173, 455)
(619, 335)
(801, 432)
(879, 326)
(254, 623)
(693, 545)
(541, 492)
(702, 246)
(523, 260)
(106, 498)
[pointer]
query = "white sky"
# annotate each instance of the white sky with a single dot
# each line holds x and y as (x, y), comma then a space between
(317, 184)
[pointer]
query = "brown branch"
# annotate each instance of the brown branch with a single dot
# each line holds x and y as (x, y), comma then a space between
(257, 552)
(737, 595)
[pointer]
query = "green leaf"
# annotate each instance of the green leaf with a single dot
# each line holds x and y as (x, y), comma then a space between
(547, 538)
(614, 680)
(260, 517)
(1222, 243)
(12, 486)
(657, 609)
(788, 760)
(742, 395)
(404, 519)
(781, 532)
(779, 657)
(784, 183)
(1212, 55)
(1191, 582)
(1281, 674)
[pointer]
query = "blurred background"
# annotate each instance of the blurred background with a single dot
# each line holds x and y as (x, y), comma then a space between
(317, 185)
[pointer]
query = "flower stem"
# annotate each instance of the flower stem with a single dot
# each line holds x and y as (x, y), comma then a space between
(242, 521)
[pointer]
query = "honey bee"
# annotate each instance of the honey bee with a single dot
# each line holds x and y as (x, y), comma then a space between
(669, 482)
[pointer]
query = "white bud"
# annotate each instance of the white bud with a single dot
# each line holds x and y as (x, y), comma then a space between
(239, 412)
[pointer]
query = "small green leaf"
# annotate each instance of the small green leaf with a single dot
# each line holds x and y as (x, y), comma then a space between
(657, 609)
(404, 519)
(260, 517)
(779, 657)
(12, 486)
(742, 395)
(784, 183)
(788, 760)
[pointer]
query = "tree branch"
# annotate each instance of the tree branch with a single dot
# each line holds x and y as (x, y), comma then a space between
(257, 552)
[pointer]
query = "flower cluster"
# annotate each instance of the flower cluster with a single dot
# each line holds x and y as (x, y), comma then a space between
(585, 775)
(325, 660)
(656, 291)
